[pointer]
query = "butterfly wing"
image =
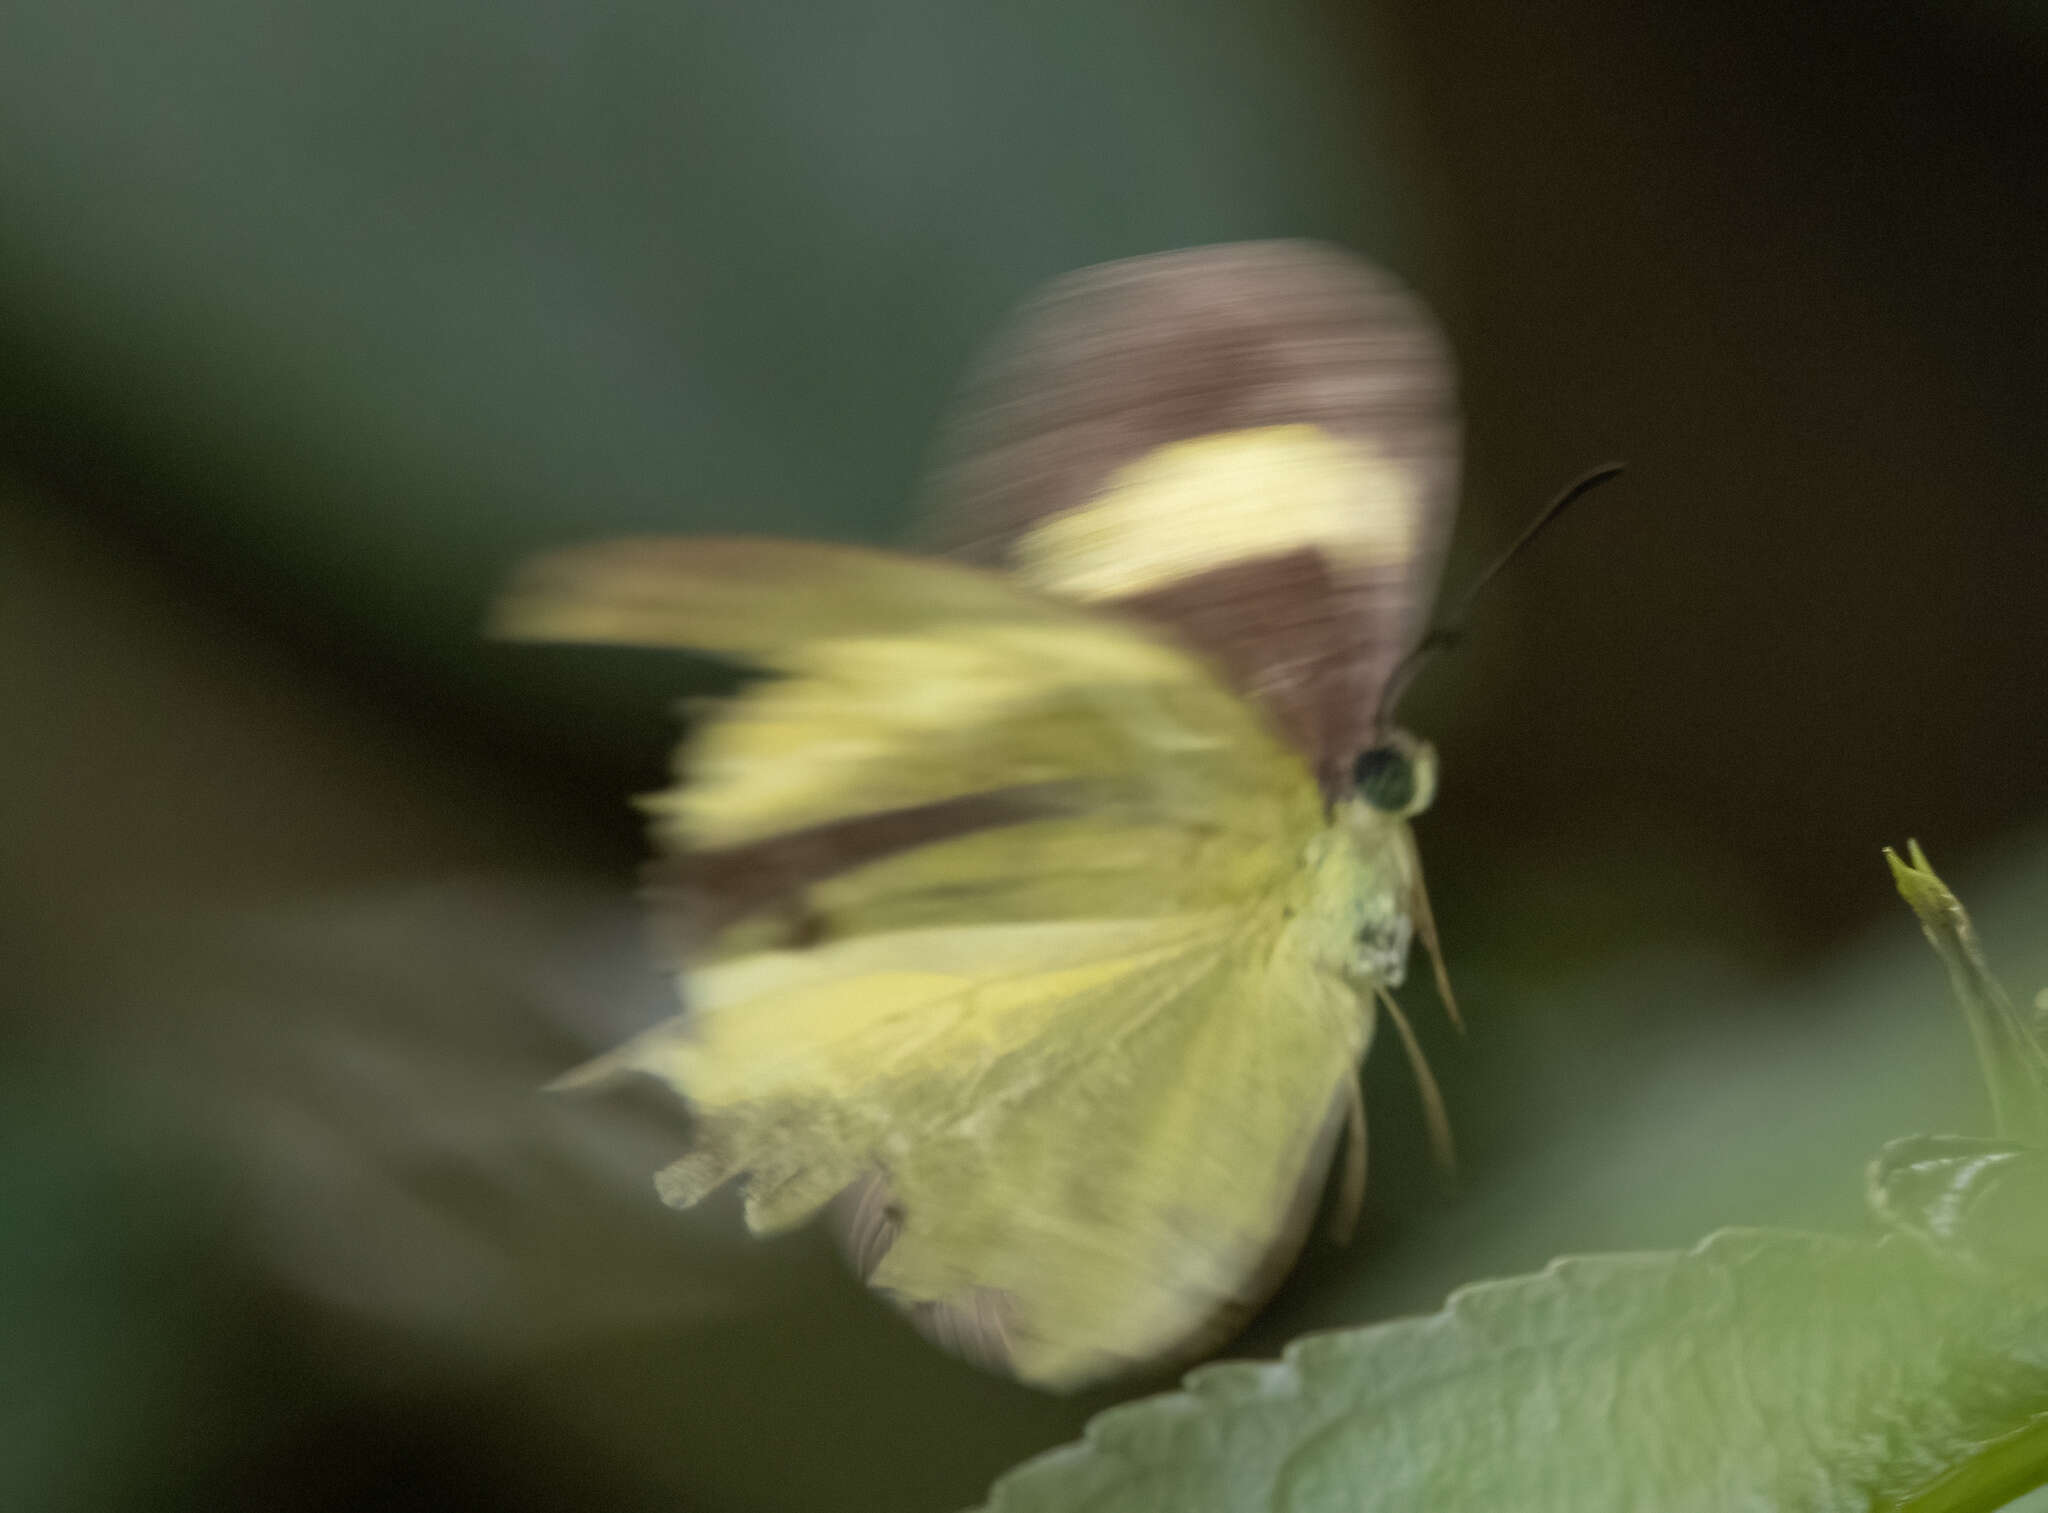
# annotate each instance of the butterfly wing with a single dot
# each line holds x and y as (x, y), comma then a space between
(1253, 445)
(1078, 1038)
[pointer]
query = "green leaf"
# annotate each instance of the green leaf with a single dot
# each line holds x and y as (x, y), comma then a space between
(1763, 1370)
(1980, 1201)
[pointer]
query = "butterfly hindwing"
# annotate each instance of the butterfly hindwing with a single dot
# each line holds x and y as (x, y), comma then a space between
(1073, 1041)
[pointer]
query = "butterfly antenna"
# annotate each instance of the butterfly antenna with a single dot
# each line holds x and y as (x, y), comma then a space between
(1434, 1116)
(1425, 926)
(1450, 628)
(1351, 1186)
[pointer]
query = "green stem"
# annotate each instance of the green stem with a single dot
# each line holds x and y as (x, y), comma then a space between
(2011, 1048)
(2004, 1469)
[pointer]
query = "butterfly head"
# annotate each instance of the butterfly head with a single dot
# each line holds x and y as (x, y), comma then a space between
(1392, 781)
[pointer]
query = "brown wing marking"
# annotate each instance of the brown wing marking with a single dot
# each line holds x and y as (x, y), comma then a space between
(1293, 636)
(866, 1220)
(698, 895)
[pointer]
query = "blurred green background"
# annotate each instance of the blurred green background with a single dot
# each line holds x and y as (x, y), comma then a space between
(313, 321)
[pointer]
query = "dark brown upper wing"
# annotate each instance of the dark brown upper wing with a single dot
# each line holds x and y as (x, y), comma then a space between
(1112, 363)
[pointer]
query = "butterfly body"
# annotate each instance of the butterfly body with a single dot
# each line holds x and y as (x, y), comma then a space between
(1027, 915)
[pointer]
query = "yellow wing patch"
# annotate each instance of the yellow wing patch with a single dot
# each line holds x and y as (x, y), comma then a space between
(866, 724)
(1119, 1194)
(1260, 492)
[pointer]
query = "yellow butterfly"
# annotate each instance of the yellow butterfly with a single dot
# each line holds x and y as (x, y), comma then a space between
(1032, 914)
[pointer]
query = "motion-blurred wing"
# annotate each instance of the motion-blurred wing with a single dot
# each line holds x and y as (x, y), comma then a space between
(1049, 1002)
(750, 598)
(1253, 445)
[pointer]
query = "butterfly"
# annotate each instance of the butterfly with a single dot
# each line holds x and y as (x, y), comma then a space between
(1032, 913)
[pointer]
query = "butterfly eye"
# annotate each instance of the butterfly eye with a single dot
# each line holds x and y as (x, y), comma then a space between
(1398, 776)
(1385, 778)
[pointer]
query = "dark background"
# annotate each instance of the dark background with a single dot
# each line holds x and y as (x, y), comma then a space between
(313, 322)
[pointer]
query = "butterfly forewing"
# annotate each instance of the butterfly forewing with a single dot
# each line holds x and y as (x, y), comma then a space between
(1275, 429)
